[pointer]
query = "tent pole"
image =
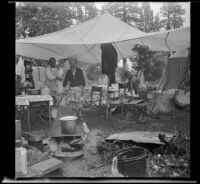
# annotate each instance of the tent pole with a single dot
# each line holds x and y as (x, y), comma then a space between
(107, 97)
(166, 42)
(180, 76)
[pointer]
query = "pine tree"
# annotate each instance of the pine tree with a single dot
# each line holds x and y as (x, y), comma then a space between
(127, 12)
(34, 19)
(148, 62)
(156, 23)
(146, 18)
(172, 15)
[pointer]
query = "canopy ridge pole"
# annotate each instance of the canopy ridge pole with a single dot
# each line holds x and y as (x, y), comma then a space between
(91, 27)
(91, 53)
(47, 49)
(166, 42)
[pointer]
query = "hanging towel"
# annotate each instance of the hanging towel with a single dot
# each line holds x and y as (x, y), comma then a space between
(38, 76)
(20, 69)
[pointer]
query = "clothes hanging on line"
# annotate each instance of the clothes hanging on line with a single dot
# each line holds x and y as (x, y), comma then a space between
(59, 82)
(38, 76)
(20, 69)
(42, 74)
(109, 61)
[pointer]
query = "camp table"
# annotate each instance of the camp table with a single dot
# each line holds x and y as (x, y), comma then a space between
(29, 101)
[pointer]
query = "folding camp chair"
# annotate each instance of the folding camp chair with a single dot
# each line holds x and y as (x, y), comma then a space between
(142, 104)
(95, 97)
(114, 103)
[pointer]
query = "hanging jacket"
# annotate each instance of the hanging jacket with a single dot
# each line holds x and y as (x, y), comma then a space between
(109, 61)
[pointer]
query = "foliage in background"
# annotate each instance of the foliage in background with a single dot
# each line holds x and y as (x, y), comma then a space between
(146, 18)
(147, 61)
(34, 19)
(124, 74)
(127, 12)
(172, 15)
(143, 18)
(93, 72)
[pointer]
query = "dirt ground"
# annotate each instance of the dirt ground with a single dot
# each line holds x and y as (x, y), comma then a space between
(96, 120)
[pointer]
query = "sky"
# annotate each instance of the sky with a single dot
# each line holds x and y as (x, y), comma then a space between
(156, 9)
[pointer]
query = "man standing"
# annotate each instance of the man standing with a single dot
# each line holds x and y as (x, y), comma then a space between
(51, 77)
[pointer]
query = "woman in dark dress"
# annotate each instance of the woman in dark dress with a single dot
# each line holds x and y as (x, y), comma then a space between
(74, 83)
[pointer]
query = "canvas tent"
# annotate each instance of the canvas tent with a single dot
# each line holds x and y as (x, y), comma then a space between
(83, 40)
(174, 71)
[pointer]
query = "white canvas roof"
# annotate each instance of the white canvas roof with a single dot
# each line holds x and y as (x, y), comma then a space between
(83, 40)
(180, 54)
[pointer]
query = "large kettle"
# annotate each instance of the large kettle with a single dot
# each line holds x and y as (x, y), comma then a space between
(68, 124)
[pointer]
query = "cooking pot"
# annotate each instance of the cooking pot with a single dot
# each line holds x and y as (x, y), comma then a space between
(35, 140)
(68, 124)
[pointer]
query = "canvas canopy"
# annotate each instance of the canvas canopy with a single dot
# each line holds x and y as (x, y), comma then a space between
(174, 71)
(83, 40)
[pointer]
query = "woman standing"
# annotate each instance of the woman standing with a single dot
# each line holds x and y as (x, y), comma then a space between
(74, 83)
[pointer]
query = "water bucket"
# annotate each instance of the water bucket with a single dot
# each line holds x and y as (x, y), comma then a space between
(36, 140)
(132, 162)
(68, 124)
